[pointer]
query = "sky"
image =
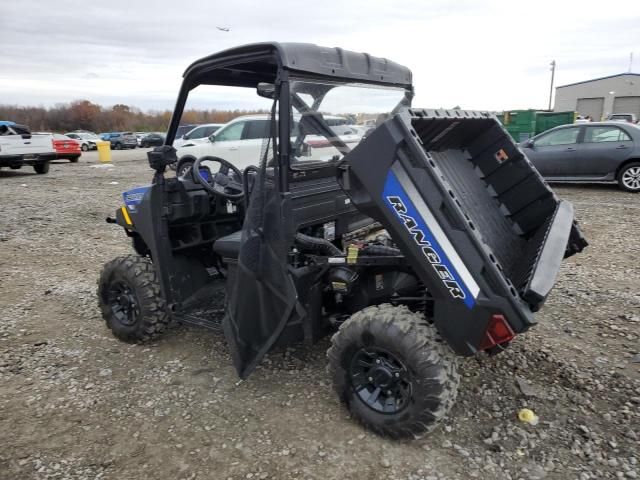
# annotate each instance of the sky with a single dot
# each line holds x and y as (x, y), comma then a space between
(482, 55)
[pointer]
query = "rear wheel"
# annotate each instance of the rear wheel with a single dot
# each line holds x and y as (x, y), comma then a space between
(393, 371)
(74, 159)
(41, 168)
(117, 146)
(629, 177)
(130, 299)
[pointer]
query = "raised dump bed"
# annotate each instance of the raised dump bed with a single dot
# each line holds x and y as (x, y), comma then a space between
(453, 183)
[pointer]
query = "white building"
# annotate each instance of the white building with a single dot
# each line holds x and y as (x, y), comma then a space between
(601, 96)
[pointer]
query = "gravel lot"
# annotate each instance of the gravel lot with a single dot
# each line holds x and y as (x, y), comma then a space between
(76, 403)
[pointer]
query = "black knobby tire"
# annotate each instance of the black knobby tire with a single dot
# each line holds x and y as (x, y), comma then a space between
(135, 276)
(629, 177)
(426, 367)
(41, 168)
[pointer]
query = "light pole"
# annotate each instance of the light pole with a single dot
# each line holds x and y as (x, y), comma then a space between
(553, 72)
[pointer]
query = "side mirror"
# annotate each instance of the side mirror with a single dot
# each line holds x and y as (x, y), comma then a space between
(266, 90)
(212, 138)
(528, 144)
(184, 137)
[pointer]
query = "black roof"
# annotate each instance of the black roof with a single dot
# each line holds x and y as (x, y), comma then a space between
(251, 64)
(601, 78)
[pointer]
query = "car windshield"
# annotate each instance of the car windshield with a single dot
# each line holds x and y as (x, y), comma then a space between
(327, 115)
(182, 129)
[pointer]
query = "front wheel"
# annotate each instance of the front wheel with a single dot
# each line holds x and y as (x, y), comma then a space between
(130, 300)
(183, 167)
(393, 371)
(629, 177)
(84, 147)
(41, 168)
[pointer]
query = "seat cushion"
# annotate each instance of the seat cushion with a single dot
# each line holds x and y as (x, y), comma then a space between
(228, 246)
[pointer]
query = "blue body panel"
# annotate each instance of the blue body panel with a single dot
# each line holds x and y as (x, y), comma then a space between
(396, 198)
(133, 198)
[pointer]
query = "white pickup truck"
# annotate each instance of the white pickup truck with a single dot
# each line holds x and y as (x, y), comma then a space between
(18, 147)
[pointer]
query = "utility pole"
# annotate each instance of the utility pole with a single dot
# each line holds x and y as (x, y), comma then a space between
(630, 62)
(553, 72)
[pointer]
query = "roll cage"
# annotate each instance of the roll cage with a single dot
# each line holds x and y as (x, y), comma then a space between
(253, 65)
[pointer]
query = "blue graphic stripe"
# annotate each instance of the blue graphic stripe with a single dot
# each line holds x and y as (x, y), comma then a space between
(393, 188)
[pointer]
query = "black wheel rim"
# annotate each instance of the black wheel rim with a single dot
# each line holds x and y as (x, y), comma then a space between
(380, 380)
(123, 304)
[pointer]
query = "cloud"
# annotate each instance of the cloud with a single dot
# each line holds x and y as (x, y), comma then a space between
(484, 55)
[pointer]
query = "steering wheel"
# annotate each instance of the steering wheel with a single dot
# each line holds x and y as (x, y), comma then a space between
(221, 184)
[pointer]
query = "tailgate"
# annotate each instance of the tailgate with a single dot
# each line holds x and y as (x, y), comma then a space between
(482, 229)
(26, 145)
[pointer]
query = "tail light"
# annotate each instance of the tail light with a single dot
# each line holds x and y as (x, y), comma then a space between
(498, 332)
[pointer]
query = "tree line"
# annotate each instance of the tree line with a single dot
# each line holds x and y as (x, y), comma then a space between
(85, 115)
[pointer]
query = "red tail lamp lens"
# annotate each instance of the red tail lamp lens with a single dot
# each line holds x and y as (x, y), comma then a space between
(498, 331)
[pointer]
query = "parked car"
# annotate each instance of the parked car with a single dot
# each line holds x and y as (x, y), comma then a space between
(201, 132)
(347, 130)
(66, 148)
(88, 141)
(120, 140)
(140, 136)
(241, 140)
(597, 152)
(85, 131)
(19, 147)
(622, 117)
(359, 129)
(152, 140)
(182, 129)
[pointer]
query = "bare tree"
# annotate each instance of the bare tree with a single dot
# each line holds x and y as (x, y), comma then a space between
(85, 115)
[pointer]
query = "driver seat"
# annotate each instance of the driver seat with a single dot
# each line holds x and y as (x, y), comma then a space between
(229, 245)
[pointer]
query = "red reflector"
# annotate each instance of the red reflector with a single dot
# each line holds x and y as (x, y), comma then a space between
(498, 331)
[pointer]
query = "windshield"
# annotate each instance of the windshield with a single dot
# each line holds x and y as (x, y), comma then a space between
(330, 119)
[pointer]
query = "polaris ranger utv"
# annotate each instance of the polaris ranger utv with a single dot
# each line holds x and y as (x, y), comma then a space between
(432, 237)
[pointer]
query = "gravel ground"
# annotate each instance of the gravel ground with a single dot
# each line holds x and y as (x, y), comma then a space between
(76, 403)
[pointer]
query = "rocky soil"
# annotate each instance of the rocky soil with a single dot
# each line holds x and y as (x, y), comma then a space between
(77, 404)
